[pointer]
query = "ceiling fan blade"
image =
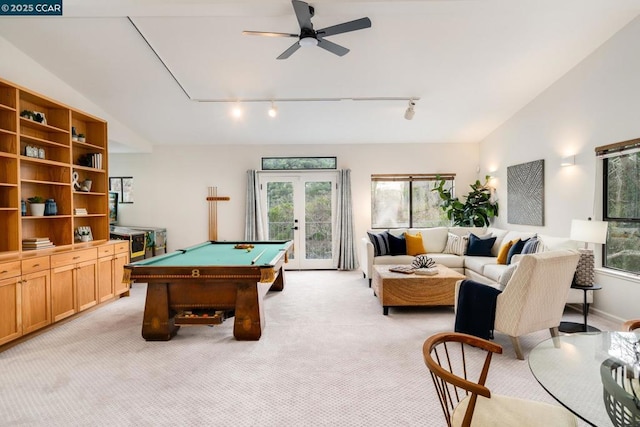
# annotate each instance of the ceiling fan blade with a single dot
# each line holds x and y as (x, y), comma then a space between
(303, 13)
(357, 24)
(287, 53)
(332, 47)
(267, 34)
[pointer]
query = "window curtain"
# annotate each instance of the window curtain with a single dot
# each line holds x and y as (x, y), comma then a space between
(344, 244)
(253, 228)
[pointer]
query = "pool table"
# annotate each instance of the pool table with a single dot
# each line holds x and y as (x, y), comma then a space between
(208, 282)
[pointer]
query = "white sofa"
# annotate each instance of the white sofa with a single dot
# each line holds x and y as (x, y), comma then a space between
(478, 268)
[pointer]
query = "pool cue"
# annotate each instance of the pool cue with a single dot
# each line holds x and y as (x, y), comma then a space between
(256, 258)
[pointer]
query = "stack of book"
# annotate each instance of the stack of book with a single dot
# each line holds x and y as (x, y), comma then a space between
(32, 243)
(80, 211)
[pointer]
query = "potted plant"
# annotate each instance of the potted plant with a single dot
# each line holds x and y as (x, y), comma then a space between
(476, 211)
(81, 137)
(36, 204)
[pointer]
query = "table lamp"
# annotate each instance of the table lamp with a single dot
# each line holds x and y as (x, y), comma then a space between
(587, 232)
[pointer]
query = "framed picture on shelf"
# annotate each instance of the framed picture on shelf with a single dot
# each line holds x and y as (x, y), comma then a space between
(84, 234)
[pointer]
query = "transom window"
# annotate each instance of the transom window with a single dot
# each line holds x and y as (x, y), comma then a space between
(402, 201)
(298, 163)
(621, 167)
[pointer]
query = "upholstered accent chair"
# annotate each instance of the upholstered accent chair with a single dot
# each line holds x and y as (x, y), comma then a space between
(535, 296)
(459, 373)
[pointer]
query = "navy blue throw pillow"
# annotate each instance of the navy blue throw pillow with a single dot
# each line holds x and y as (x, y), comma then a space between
(380, 243)
(397, 244)
(516, 249)
(480, 247)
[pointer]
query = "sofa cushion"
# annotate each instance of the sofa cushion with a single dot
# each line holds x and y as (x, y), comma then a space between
(494, 271)
(478, 246)
(456, 245)
(397, 244)
(414, 244)
(499, 234)
(516, 249)
(477, 263)
(380, 242)
(504, 252)
(448, 260)
(507, 273)
(434, 239)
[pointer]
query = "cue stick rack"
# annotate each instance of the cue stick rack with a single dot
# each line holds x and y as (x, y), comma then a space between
(213, 200)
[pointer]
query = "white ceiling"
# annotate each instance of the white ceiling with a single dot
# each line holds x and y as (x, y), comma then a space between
(472, 63)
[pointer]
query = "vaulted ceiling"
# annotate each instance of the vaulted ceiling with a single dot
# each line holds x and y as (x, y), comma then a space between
(469, 64)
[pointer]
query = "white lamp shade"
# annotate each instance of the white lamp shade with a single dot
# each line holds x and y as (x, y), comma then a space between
(589, 231)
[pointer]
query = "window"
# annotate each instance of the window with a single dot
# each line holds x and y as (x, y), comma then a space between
(399, 201)
(621, 167)
(298, 163)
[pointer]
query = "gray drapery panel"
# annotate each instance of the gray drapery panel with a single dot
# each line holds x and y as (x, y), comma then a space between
(253, 228)
(344, 248)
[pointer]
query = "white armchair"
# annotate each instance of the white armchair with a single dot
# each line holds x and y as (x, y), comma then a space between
(535, 296)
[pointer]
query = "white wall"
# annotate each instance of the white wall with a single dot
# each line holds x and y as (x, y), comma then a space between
(170, 184)
(596, 103)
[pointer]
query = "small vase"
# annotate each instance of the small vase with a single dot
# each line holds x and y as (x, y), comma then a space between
(37, 209)
(85, 238)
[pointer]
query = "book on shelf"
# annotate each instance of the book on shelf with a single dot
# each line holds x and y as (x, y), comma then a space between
(81, 211)
(35, 239)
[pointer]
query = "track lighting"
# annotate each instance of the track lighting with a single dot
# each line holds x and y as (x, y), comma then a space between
(273, 111)
(236, 112)
(410, 111)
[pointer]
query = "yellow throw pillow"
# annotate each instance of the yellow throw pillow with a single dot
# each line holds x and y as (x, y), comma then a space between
(504, 252)
(414, 244)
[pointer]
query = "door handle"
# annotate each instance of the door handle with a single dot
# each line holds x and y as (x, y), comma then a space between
(294, 228)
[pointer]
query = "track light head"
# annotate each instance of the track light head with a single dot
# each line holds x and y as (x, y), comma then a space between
(410, 112)
(273, 110)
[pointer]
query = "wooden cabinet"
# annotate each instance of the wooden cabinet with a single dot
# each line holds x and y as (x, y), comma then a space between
(10, 301)
(50, 150)
(73, 282)
(36, 293)
(105, 272)
(121, 258)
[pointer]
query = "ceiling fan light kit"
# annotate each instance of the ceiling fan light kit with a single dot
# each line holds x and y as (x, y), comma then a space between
(309, 37)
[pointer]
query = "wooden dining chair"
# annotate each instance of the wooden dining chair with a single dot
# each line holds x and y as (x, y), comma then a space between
(459, 366)
(631, 325)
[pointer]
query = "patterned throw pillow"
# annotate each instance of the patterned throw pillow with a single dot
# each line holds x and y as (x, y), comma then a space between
(456, 245)
(380, 243)
(532, 246)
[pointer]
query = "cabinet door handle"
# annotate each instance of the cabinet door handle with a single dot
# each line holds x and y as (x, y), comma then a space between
(76, 257)
(4, 271)
(36, 265)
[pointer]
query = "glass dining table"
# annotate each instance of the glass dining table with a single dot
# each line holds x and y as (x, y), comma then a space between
(594, 375)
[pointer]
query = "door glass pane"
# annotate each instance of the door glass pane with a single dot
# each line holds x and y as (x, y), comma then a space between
(318, 220)
(280, 210)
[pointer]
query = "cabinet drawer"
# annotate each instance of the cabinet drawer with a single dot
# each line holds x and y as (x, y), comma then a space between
(122, 246)
(35, 264)
(105, 250)
(73, 257)
(9, 269)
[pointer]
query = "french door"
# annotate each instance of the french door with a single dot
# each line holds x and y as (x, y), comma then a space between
(300, 206)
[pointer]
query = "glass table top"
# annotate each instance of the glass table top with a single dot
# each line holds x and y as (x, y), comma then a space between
(594, 375)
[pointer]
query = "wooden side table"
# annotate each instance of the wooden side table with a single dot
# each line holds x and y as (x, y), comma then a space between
(571, 327)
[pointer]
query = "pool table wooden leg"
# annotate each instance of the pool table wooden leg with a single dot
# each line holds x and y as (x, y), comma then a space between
(158, 324)
(249, 315)
(278, 284)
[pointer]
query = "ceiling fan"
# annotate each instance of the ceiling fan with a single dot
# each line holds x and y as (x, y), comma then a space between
(310, 37)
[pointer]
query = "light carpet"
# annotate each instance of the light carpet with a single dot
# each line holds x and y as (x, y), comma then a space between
(327, 357)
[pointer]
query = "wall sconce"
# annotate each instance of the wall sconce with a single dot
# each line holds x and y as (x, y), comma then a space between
(568, 161)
